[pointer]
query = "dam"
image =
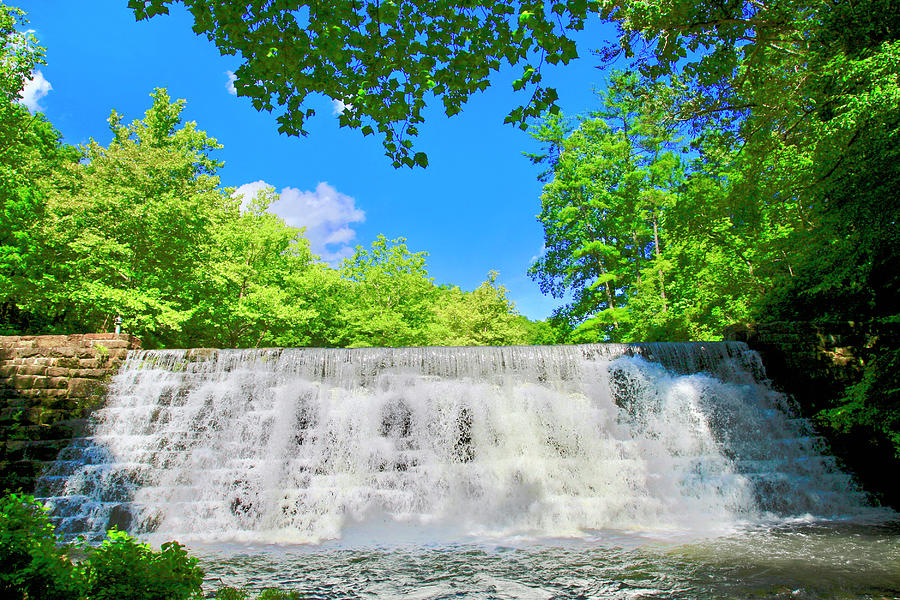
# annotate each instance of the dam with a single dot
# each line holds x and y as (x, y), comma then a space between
(255, 457)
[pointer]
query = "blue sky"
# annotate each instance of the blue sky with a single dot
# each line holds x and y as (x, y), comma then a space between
(473, 209)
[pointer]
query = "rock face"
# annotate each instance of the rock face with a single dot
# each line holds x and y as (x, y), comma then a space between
(816, 363)
(48, 386)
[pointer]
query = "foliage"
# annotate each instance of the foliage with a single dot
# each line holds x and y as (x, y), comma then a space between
(483, 317)
(393, 292)
(230, 593)
(131, 228)
(277, 594)
(30, 150)
(383, 61)
(613, 178)
(788, 210)
(124, 567)
(140, 228)
(34, 565)
(251, 295)
(871, 407)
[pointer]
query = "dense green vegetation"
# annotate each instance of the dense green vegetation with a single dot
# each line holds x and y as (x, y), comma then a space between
(141, 228)
(37, 565)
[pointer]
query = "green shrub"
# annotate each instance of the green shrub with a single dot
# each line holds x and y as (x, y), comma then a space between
(277, 594)
(123, 568)
(230, 593)
(34, 565)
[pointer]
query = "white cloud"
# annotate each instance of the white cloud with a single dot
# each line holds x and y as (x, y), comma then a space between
(230, 85)
(339, 106)
(325, 213)
(35, 89)
(249, 191)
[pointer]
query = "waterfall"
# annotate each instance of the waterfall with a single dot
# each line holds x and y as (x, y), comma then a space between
(301, 445)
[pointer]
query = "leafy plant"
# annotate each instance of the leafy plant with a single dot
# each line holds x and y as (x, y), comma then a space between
(231, 593)
(122, 567)
(278, 594)
(34, 564)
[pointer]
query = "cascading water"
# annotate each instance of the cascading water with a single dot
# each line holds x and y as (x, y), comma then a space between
(303, 445)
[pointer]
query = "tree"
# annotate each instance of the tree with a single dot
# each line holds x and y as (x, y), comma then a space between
(612, 177)
(391, 296)
(384, 60)
(252, 294)
(130, 231)
(30, 151)
(482, 317)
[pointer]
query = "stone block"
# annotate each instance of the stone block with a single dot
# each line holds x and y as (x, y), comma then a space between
(44, 450)
(55, 383)
(61, 402)
(22, 382)
(70, 428)
(89, 363)
(82, 388)
(8, 370)
(32, 369)
(68, 363)
(64, 351)
(58, 372)
(92, 373)
(50, 341)
(110, 344)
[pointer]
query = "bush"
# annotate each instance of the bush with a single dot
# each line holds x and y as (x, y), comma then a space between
(230, 593)
(34, 564)
(122, 568)
(277, 594)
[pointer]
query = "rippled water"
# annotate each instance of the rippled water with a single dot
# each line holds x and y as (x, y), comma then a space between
(833, 560)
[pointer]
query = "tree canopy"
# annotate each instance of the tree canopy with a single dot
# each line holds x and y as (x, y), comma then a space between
(384, 61)
(141, 229)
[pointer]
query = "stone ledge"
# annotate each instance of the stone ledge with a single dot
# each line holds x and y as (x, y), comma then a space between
(49, 385)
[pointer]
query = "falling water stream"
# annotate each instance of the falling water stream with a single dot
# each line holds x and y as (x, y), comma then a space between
(594, 471)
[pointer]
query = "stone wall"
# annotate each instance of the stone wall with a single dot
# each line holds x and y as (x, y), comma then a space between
(816, 363)
(48, 387)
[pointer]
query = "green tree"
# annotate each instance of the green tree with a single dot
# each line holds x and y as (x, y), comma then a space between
(385, 60)
(612, 177)
(34, 565)
(391, 296)
(123, 567)
(482, 317)
(30, 152)
(131, 230)
(252, 295)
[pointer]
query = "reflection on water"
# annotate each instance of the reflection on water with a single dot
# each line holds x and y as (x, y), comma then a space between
(833, 560)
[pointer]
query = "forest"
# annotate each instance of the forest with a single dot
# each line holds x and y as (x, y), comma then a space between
(141, 229)
(741, 165)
